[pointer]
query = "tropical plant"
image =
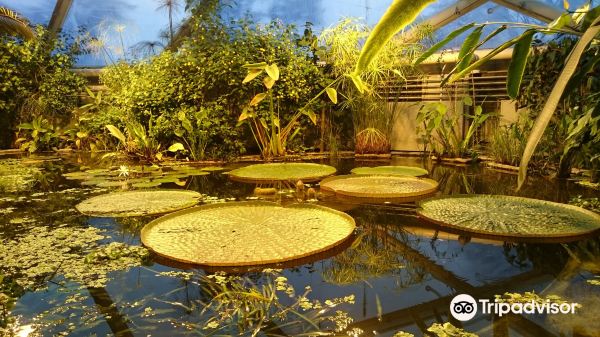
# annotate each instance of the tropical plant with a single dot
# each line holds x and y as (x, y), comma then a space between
(13, 23)
(38, 135)
(373, 111)
(507, 143)
(171, 6)
(271, 137)
(141, 142)
(583, 23)
(438, 127)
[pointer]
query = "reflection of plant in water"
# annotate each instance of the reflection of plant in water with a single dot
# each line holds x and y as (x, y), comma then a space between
(452, 180)
(367, 258)
(241, 306)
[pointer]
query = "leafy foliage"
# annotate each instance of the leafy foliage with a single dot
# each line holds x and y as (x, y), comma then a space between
(202, 82)
(36, 80)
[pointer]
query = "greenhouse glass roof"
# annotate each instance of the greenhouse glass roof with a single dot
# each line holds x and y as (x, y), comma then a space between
(139, 21)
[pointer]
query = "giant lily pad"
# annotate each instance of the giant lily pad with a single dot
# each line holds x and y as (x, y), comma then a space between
(380, 186)
(137, 203)
(246, 233)
(392, 170)
(508, 216)
(282, 172)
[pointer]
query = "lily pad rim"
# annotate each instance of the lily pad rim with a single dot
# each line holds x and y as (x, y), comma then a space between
(565, 235)
(424, 172)
(148, 227)
(434, 187)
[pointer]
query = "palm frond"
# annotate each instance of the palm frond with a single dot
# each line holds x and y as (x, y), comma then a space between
(13, 23)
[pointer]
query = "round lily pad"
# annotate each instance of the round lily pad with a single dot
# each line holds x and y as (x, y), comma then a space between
(246, 233)
(380, 186)
(137, 203)
(306, 172)
(508, 216)
(392, 170)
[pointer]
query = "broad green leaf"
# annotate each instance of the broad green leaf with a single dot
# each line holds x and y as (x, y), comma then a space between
(456, 76)
(252, 73)
(116, 133)
(268, 81)
(311, 115)
(176, 147)
(580, 13)
(467, 100)
(258, 98)
(332, 94)
(518, 62)
(244, 115)
(554, 98)
(273, 71)
(259, 65)
(82, 134)
(443, 42)
(400, 14)
(465, 55)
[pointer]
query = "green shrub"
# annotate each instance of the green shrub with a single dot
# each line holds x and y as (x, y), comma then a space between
(36, 80)
(203, 80)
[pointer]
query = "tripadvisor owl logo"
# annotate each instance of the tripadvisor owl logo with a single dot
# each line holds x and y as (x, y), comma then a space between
(464, 307)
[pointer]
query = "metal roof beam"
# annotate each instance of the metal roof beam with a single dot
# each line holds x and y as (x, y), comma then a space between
(59, 15)
(533, 8)
(453, 12)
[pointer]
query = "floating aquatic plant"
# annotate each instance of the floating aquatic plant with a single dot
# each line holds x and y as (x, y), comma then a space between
(448, 330)
(43, 253)
(392, 170)
(138, 203)
(15, 176)
(282, 172)
(379, 186)
(508, 216)
(246, 233)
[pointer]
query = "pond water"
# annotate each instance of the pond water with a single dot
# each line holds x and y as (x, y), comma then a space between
(402, 272)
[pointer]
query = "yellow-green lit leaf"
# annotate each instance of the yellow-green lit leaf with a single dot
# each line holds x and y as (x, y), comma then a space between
(467, 100)
(263, 122)
(518, 62)
(244, 115)
(358, 83)
(400, 14)
(566, 4)
(259, 65)
(176, 147)
(82, 134)
(561, 21)
(443, 42)
(258, 98)
(268, 82)
(115, 132)
(332, 94)
(311, 115)
(276, 121)
(273, 71)
(252, 73)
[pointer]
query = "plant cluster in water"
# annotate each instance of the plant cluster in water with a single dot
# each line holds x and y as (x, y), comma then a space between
(139, 176)
(15, 176)
(32, 259)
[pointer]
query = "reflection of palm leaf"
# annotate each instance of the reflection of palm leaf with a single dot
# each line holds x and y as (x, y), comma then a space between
(12, 23)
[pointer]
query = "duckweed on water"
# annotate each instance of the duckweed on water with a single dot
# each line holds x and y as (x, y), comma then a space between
(15, 176)
(38, 256)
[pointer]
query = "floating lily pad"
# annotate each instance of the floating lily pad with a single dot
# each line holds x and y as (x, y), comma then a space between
(282, 172)
(246, 233)
(380, 186)
(137, 203)
(392, 170)
(147, 184)
(508, 216)
(213, 168)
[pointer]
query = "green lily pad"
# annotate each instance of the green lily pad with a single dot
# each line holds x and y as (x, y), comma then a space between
(508, 216)
(307, 172)
(392, 170)
(138, 203)
(246, 233)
